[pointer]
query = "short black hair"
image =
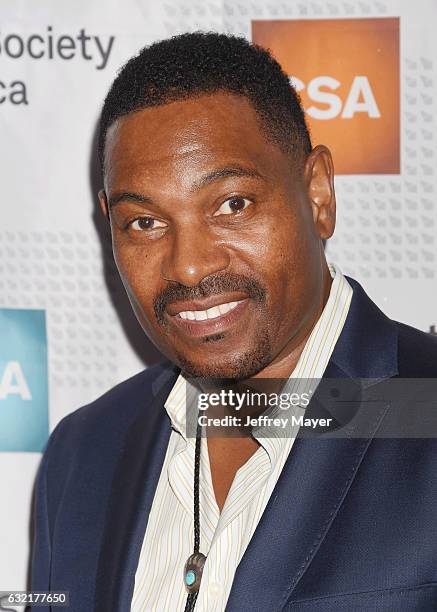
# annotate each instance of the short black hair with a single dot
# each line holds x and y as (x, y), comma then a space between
(197, 63)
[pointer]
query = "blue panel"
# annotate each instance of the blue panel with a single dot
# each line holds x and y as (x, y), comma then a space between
(23, 380)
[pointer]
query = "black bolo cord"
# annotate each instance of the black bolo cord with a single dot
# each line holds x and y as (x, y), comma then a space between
(192, 597)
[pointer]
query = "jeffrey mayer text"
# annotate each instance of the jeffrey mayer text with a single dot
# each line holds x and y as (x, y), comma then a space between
(262, 421)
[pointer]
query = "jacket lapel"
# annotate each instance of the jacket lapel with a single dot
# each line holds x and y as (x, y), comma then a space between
(133, 488)
(320, 470)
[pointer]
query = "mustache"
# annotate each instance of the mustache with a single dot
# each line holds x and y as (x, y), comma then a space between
(215, 284)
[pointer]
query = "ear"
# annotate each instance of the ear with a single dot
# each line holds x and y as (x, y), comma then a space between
(319, 178)
(103, 201)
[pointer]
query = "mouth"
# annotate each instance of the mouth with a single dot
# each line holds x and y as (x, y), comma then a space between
(211, 316)
(210, 313)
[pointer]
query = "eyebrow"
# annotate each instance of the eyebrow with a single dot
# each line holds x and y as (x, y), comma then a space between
(128, 196)
(227, 172)
(204, 181)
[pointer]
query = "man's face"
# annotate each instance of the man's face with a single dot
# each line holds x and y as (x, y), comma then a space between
(215, 233)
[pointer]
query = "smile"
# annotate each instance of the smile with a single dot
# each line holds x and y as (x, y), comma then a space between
(220, 317)
(210, 313)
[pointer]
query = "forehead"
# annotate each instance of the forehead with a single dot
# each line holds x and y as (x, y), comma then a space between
(205, 131)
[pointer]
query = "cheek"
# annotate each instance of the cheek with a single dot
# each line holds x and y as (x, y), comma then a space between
(282, 253)
(136, 268)
(141, 281)
(289, 266)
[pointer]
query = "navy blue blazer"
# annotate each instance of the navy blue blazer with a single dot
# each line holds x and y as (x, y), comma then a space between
(351, 524)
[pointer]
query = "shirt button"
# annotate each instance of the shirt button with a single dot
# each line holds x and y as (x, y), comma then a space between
(214, 589)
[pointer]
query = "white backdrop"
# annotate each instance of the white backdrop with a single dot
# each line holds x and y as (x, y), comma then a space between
(53, 244)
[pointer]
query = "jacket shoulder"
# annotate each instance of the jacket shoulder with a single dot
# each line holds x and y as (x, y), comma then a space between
(417, 352)
(112, 413)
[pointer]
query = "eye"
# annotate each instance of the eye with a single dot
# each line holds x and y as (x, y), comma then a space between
(232, 206)
(146, 223)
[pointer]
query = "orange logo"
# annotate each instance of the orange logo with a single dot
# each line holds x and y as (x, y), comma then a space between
(347, 74)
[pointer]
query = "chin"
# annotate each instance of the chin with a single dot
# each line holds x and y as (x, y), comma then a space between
(233, 367)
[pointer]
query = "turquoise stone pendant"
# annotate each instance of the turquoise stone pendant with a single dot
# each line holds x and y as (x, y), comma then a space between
(193, 572)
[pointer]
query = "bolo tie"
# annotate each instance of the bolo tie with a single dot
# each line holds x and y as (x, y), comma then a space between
(194, 565)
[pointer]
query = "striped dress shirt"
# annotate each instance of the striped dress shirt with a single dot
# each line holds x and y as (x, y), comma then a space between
(224, 537)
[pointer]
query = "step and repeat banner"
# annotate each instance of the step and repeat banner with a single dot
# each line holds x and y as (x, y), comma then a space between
(366, 72)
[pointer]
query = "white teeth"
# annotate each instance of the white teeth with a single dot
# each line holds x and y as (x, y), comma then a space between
(211, 313)
(224, 308)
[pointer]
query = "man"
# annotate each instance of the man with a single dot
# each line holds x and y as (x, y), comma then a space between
(219, 207)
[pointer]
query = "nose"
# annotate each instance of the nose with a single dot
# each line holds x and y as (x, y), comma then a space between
(193, 254)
